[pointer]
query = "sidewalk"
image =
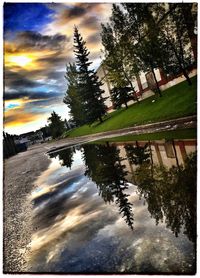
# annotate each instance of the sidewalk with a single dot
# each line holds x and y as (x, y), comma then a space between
(180, 123)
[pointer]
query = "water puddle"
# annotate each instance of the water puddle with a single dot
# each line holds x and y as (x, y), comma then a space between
(123, 208)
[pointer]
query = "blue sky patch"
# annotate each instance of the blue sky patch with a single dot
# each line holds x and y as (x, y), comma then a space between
(26, 16)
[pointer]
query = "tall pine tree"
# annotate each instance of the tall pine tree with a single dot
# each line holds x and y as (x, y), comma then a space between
(72, 97)
(104, 167)
(89, 86)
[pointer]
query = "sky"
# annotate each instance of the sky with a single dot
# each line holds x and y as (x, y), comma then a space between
(38, 44)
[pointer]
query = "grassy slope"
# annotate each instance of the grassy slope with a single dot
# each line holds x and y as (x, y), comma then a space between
(189, 133)
(177, 101)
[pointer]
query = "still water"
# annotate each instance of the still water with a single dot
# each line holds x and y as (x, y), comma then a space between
(123, 208)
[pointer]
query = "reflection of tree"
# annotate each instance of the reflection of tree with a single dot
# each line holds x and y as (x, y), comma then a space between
(105, 169)
(171, 194)
(65, 156)
(138, 154)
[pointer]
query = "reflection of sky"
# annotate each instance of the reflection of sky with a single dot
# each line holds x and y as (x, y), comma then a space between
(77, 232)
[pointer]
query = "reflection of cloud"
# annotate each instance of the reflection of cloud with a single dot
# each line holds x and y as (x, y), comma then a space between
(78, 232)
(67, 210)
(72, 220)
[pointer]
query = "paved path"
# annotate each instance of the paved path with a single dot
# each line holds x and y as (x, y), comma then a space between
(180, 123)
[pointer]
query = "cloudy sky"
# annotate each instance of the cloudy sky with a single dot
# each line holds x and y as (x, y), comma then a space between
(38, 43)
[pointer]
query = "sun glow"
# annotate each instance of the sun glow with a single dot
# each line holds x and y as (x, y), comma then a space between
(36, 60)
(20, 60)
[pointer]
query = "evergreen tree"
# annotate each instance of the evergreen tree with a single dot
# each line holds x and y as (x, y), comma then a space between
(121, 95)
(46, 131)
(72, 97)
(104, 167)
(65, 156)
(56, 125)
(138, 154)
(89, 87)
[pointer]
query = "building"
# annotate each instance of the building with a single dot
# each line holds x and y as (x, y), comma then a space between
(142, 84)
(145, 81)
(29, 138)
(163, 153)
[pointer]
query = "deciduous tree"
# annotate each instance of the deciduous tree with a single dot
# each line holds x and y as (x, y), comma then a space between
(176, 40)
(120, 67)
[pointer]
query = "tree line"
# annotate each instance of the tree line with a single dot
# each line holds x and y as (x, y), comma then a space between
(144, 37)
(139, 37)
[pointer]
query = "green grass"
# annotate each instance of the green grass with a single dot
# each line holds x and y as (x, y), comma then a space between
(190, 133)
(177, 101)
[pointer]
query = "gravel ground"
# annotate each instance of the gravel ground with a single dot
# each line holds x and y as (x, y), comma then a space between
(20, 172)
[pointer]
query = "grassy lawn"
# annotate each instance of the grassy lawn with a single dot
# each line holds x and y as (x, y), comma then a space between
(190, 133)
(177, 101)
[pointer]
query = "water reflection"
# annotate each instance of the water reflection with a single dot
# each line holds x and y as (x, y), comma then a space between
(169, 192)
(104, 167)
(79, 210)
(138, 154)
(65, 156)
(171, 195)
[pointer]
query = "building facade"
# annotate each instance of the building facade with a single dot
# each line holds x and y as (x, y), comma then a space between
(145, 81)
(142, 83)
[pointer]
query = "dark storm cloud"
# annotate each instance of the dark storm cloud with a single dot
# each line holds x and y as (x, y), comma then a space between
(74, 12)
(88, 7)
(35, 40)
(53, 60)
(90, 22)
(29, 95)
(16, 80)
(93, 38)
(20, 84)
(56, 75)
(78, 10)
